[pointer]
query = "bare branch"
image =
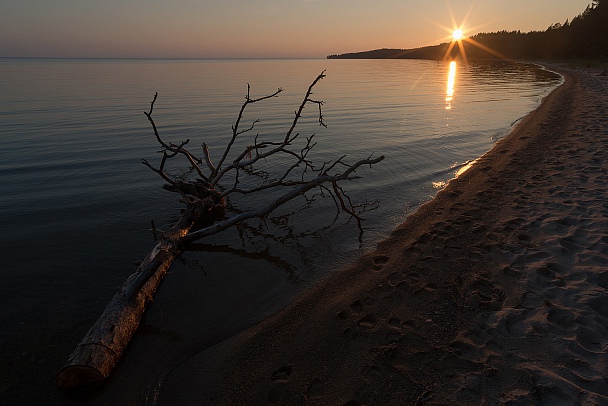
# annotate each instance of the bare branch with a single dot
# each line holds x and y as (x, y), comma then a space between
(149, 115)
(208, 158)
(205, 200)
(340, 195)
(171, 150)
(301, 108)
(152, 104)
(235, 128)
(279, 147)
(319, 103)
(300, 175)
(299, 191)
(160, 170)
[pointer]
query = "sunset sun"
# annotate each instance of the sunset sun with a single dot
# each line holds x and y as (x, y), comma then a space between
(457, 35)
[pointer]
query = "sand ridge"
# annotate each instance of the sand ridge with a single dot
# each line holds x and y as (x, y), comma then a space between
(495, 292)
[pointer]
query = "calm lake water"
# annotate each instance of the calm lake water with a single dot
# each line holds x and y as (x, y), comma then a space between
(77, 202)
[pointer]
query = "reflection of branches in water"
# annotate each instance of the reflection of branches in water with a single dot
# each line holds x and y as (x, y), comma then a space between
(192, 263)
(282, 222)
(204, 189)
(264, 255)
(242, 175)
(279, 230)
(367, 206)
(267, 226)
(290, 236)
(266, 231)
(249, 185)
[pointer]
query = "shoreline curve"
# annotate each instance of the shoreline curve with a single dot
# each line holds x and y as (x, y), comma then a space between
(494, 290)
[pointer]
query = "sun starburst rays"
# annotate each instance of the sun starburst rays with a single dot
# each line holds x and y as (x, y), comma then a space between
(457, 35)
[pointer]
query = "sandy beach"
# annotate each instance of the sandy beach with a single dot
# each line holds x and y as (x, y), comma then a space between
(494, 292)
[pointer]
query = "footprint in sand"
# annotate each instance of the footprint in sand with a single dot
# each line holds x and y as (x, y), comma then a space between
(368, 322)
(379, 262)
(395, 278)
(552, 272)
(495, 301)
(507, 270)
(485, 294)
(281, 374)
(278, 387)
(343, 315)
(514, 323)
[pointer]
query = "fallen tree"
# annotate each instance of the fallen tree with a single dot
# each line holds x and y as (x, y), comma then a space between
(206, 191)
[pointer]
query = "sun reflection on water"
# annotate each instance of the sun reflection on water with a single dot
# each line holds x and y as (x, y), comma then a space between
(450, 89)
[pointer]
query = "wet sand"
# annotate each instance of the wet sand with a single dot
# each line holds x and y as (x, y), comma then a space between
(494, 292)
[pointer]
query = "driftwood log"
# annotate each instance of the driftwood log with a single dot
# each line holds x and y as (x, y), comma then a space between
(99, 351)
(206, 198)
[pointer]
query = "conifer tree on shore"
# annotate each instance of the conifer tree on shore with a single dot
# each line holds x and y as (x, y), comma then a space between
(584, 37)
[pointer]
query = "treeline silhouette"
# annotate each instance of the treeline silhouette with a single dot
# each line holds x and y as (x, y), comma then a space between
(585, 37)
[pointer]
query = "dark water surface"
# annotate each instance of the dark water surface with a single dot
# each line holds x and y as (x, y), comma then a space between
(77, 202)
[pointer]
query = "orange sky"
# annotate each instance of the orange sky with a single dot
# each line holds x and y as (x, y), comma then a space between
(255, 28)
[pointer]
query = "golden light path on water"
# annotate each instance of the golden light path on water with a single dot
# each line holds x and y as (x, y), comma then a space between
(449, 96)
(450, 88)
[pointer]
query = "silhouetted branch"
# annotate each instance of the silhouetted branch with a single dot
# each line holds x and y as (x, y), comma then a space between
(298, 177)
(298, 191)
(205, 197)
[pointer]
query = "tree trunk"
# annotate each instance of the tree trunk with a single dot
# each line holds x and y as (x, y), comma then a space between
(99, 351)
(205, 198)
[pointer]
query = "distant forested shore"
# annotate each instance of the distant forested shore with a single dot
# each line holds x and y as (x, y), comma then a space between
(585, 37)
